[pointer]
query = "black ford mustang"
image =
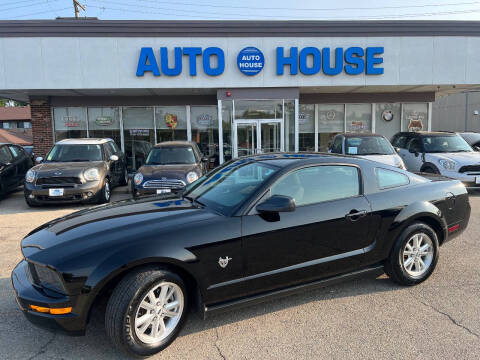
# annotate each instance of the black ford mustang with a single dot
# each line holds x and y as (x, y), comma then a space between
(253, 229)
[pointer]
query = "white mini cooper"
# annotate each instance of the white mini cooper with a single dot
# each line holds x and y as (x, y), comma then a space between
(442, 153)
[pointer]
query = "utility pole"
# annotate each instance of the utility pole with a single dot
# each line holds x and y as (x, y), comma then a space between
(77, 5)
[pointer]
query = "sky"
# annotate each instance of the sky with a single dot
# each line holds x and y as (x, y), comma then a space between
(245, 9)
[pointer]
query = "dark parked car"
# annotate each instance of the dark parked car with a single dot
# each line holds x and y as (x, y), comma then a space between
(14, 164)
(76, 170)
(170, 166)
(473, 139)
(251, 230)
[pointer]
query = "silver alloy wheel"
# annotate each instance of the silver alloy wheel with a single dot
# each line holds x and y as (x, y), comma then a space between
(159, 312)
(418, 255)
(107, 190)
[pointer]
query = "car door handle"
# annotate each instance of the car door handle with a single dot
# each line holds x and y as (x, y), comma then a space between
(354, 215)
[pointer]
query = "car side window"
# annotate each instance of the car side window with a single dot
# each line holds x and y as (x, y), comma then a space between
(337, 145)
(108, 151)
(5, 156)
(400, 141)
(389, 178)
(113, 147)
(414, 145)
(319, 183)
(17, 154)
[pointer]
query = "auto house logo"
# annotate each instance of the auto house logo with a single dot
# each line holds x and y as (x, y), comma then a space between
(250, 61)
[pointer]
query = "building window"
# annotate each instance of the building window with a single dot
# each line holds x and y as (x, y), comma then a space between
(70, 122)
(331, 121)
(204, 125)
(306, 128)
(27, 124)
(104, 122)
(6, 125)
(171, 123)
(359, 118)
(138, 135)
(227, 121)
(415, 117)
(289, 126)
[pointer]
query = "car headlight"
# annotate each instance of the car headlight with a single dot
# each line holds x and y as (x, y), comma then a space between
(138, 178)
(30, 176)
(192, 176)
(447, 164)
(48, 278)
(91, 174)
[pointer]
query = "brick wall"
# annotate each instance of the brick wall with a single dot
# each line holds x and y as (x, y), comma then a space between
(41, 126)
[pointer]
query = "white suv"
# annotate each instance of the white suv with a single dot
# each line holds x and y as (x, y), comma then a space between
(439, 153)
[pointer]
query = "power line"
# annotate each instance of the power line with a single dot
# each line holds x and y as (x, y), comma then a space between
(236, 16)
(40, 12)
(28, 5)
(311, 9)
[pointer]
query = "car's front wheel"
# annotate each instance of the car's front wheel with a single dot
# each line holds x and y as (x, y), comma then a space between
(414, 255)
(146, 311)
(105, 193)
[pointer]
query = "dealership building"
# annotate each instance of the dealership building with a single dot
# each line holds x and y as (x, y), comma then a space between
(234, 87)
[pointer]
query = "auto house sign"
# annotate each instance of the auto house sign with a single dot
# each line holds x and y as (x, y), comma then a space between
(104, 121)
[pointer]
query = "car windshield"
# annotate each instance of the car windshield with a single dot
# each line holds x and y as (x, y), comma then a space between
(225, 189)
(171, 155)
(368, 145)
(471, 138)
(445, 144)
(74, 153)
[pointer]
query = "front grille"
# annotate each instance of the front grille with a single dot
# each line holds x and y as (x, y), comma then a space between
(58, 180)
(468, 168)
(173, 184)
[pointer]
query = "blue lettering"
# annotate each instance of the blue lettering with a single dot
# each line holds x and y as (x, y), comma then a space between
(147, 62)
(210, 51)
(192, 53)
(316, 56)
(177, 69)
(292, 60)
(372, 60)
(354, 60)
(327, 69)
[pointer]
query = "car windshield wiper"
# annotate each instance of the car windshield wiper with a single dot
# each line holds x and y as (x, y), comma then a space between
(78, 160)
(374, 153)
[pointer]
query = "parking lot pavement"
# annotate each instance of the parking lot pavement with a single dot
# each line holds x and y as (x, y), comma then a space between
(364, 319)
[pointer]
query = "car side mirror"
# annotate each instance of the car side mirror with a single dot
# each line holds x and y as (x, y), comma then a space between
(397, 149)
(113, 157)
(413, 151)
(39, 159)
(276, 204)
(476, 148)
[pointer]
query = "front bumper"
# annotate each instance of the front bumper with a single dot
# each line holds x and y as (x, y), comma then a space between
(27, 294)
(138, 191)
(71, 193)
(468, 180)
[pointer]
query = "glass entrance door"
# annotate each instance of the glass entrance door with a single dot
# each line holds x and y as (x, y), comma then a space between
(257, 136)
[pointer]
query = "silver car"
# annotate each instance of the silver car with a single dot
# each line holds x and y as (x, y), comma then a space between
(369, 146)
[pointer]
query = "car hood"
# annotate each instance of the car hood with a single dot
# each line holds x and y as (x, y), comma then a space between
(461, 158)
(114, 225)
(392, 160)
(168, 171)
(66, 168)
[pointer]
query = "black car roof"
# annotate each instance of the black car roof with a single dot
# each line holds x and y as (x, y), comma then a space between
(427, 133)
(286, 159)
(348, 135)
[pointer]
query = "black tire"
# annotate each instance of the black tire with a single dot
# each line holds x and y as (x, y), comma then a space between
(124, 179)
(430, 169)
(105, 194)
(124, 302)
(394, 266)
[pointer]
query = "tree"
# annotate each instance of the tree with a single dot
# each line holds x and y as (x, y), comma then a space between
(9, 102)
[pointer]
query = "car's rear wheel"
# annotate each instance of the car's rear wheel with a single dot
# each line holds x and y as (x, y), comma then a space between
(414, 255)
(105, 193)
(146, 311)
